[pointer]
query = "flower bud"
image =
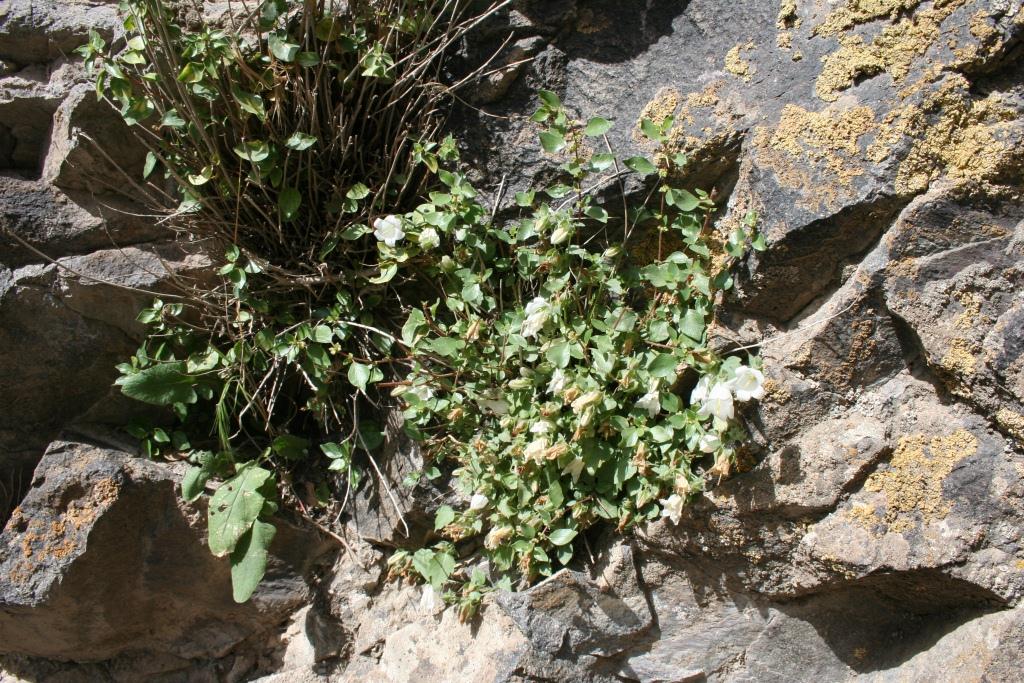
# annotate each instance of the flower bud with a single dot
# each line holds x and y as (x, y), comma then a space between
(561, 234)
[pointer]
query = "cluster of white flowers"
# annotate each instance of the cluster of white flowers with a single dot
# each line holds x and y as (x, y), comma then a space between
(651, 401)
(558, 383)
(672, 507)
(388, 230)
(535, 449)
(717, 399)
(538, 312)
(429, 239)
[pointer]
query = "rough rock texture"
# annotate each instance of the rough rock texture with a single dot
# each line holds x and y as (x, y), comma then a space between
(875, 533)
(102, 563)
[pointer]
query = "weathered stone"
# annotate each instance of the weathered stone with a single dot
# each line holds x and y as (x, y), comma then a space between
(59, 224)
(34, 31)
(443, 649)
(954, 276)
(100, 560)
(572, 615)
(64, 328)
(28, 100)
(386, 510)
(91, 148)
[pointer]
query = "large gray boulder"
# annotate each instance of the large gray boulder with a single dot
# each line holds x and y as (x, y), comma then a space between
(101, 561)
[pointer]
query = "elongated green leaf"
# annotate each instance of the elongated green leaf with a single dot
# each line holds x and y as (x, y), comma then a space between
(641, 165)
(290, 447)
(562, 536)
(664, 366)
(550, 99)
(193, 483)
(254, 151)
(249, 560)
(558, 354)
(323, 334)
(412, 326)
(172, 120)
(434, 567)
(681, 199)
(281, 48)
(249, 102)
(445, 516)
(693, 325)
(289, 202)
(387, 272)
(598, 214)
(147, 169)
(446, 346)
(359, 375)
(597, 127)
(308, 59)
(651, 129)
(552, 141)
(300, 141)
(160, 385)
(600, 162)
(234, 507)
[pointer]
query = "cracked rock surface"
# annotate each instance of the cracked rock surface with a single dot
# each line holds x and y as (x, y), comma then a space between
(875, 533)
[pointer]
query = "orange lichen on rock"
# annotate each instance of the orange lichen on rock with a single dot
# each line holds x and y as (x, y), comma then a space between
(956, 135)
(61, 538)
(831, 139)
(856, 12)
(736, 65)
(893, 51)
(912, 485)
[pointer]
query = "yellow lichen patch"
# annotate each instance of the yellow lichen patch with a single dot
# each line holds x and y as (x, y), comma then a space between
(960, 359)
(735, 64)
(967, 319)
(1012, 422)
(679, 136)
(828, 138)
(955, 135)
(841, 69)
(776, 392)
(980, 26)
(892, 51)
(786, 20)
(787, 15)
(708, 97)
(863, 514)
(912, 485)
(906, 267)
(861, 12)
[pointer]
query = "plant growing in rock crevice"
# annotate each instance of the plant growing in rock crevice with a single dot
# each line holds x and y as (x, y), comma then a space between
(564, 367)
(557, 361)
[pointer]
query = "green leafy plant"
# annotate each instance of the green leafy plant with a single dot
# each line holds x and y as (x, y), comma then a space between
(564, 367)
(282, 136)
(554, 360)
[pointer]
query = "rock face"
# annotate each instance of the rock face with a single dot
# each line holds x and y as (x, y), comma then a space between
(100, 561)
(876, 531)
